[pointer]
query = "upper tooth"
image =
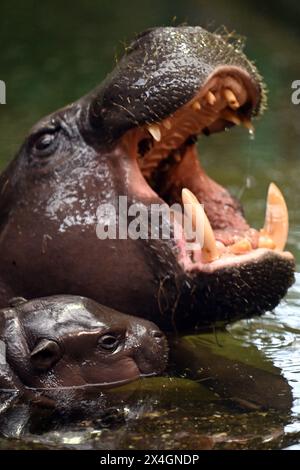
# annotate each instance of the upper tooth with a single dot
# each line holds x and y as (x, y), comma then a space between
(210, 97)
(231, 117)
(277, 218)
(155, 132)
(196, 106)
(209, 250)
(231, 99)
(167, 124)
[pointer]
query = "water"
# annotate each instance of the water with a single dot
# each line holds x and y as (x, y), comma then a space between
(49, 59)
(277, 335)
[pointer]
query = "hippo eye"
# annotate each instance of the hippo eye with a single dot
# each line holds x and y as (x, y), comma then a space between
(45, 144)
(109, 342)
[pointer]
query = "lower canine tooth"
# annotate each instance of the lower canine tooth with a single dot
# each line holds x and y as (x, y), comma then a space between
(209, 250)
(231, 99)
(155, 132)
(210, 98)
(277, 218)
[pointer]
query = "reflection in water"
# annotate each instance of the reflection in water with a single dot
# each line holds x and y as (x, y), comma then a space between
(278, 337)
(162, 413)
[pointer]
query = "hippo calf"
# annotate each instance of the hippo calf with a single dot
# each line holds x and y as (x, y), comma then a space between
(135, 136)
(70, 341)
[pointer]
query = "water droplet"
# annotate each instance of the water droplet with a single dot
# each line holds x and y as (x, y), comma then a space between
(248, 182)
(251, 134)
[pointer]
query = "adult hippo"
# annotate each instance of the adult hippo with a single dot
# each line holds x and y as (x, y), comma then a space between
(70, 341)
(135, 136)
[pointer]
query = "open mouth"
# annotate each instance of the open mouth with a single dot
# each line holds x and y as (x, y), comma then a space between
(167, 158)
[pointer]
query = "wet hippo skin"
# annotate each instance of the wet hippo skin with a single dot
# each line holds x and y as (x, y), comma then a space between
(70, 341)
(135, 136)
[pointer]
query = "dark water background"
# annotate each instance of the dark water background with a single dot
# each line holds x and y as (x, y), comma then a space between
(53, 52)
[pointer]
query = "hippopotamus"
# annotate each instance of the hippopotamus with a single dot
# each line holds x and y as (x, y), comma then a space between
(135, 136)
(65, 341)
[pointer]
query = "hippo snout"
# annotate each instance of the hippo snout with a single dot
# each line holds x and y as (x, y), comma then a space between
(152, 356)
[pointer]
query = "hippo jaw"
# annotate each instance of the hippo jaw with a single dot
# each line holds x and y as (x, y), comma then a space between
(201, 93)
(168, 161)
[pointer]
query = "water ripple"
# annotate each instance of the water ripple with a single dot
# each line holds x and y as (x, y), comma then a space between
(277, 335)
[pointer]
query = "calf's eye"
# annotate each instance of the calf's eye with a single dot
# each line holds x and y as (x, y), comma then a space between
(109, 342)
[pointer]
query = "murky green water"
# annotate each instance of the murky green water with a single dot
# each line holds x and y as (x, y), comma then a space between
(51, 53)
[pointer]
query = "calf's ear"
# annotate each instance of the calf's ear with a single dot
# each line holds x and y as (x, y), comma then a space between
(15, 301)
(45, 354)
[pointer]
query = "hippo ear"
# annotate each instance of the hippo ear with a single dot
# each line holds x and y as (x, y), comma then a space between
(45, 354)
(15, 301)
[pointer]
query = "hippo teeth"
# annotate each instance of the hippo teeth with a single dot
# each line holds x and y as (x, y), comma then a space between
(154, 130)
(275, 231)
(196, 106)
(209, 250)
(211, 98)
(273, 236)
(231, 99)
(231, 117)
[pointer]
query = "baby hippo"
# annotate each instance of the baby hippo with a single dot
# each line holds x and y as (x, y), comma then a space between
(67, 341)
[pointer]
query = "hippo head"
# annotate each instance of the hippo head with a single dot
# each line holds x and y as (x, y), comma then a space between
(70, 341)
(135, 136)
